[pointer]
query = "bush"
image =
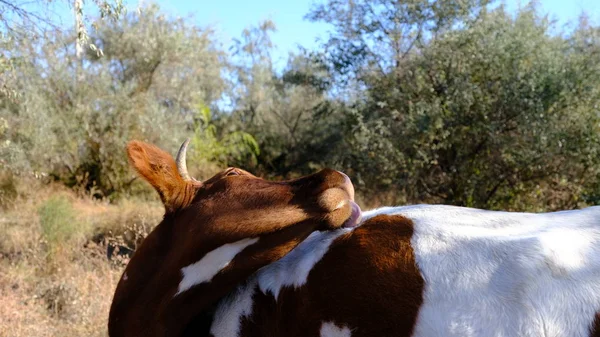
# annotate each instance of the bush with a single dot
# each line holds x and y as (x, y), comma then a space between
(75, 117)
(496, 111)
(58, 222)
(8, 189)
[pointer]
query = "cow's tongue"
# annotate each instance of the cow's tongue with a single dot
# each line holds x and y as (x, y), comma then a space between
(355, 216)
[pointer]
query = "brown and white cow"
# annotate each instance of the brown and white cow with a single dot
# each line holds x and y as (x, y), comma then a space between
(214, 235)
(429, 271)
(421, 270)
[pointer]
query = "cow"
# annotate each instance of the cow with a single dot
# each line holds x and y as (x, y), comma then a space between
(214, 235)
(429, 271)
(418, 270)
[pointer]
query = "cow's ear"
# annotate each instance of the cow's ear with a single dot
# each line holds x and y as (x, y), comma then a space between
(160, 170)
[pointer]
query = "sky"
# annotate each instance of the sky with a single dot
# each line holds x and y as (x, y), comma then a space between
(230, 17)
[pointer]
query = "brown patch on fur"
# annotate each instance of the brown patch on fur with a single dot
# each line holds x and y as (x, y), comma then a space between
(231, 206)
(368, 281)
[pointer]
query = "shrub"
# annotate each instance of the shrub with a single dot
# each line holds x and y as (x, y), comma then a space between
(58, 222)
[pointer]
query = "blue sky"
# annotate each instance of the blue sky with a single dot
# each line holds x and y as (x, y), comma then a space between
(230, 17)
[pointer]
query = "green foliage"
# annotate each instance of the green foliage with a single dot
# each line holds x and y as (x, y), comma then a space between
(295, 124)
(445, 101)
(58, 222)
(7, 69)
(19, 21)
(497, 114)
(73, 123)
(371, 37)
(209, 146)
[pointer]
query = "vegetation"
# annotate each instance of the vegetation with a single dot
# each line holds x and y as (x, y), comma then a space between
(57, 221)
(455, 102)
(57, 276)
(446, 101)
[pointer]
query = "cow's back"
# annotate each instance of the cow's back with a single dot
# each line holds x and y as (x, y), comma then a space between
(430, 271)
(506, 274)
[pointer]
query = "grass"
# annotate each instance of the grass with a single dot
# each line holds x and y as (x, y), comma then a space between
(57, 221)
(55, 276)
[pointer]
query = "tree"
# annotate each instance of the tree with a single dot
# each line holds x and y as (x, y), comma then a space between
(154, 72)
(21, 20)
(13, 14)
(373, 37)
(289, 112)
(494, 113)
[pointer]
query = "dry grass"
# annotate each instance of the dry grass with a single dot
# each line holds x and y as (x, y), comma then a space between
(55, 277)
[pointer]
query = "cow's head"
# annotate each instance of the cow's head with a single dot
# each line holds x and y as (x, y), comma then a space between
(214, 235)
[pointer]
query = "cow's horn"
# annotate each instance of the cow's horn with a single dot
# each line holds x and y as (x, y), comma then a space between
(181, 159)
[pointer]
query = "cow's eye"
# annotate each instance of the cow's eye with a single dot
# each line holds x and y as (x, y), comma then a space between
(233, 172)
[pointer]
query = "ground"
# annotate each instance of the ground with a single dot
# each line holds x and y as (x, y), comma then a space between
(55, 275)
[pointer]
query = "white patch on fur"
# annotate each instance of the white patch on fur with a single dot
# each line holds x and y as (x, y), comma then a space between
(505, 274)
(125, 277)
(211, 264)
(231, 310)
(329, 329)
(293, 268)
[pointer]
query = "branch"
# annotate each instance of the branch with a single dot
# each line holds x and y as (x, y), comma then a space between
(413, 42)
(25, 14)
